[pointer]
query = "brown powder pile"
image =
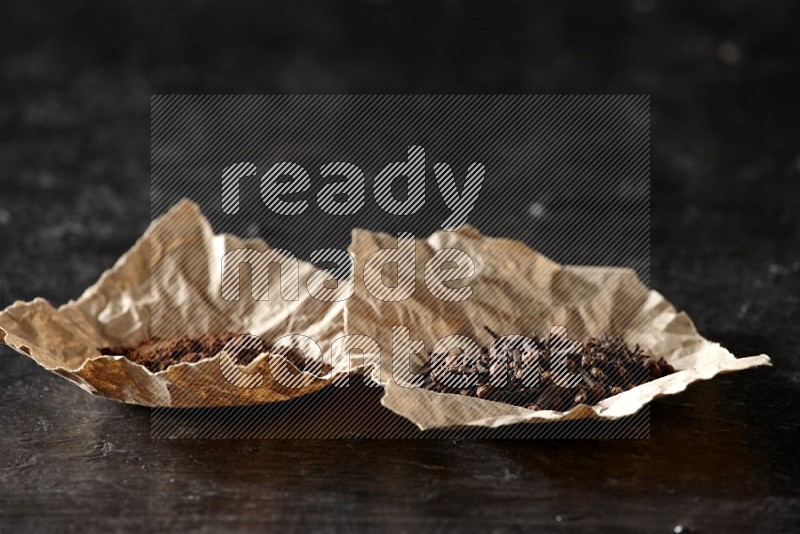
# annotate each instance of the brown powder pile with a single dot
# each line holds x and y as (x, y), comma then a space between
(159, 353)
(156, 354)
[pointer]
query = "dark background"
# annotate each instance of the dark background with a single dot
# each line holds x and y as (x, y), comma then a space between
(74, 194)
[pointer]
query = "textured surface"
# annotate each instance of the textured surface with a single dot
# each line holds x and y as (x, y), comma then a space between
(74, 195)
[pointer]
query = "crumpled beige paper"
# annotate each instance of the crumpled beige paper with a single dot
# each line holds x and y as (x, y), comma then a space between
(169, 284)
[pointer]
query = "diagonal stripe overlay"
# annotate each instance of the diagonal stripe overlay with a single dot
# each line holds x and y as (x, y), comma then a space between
(569, 175)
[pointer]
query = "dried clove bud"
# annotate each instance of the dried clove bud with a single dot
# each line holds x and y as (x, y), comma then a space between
(597, 374)
(653, 368)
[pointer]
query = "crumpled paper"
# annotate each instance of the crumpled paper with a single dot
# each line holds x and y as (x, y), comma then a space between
(169, 284)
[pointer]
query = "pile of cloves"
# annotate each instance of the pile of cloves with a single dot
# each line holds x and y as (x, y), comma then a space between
(554, 373)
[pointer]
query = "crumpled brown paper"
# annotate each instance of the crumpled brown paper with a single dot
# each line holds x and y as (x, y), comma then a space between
(169, 284)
